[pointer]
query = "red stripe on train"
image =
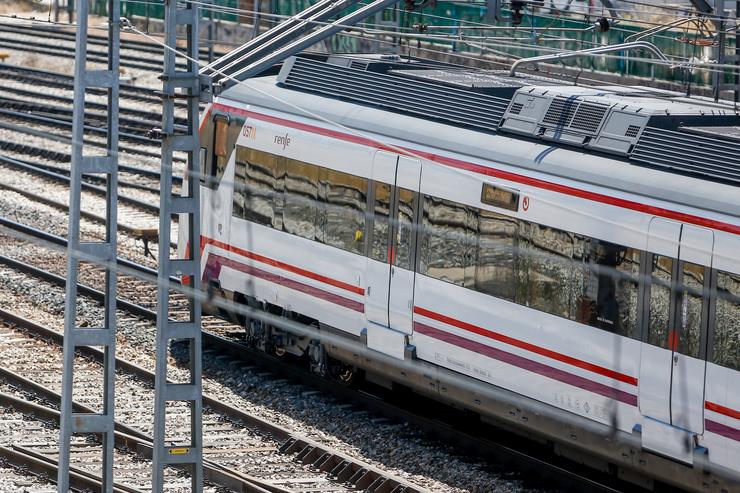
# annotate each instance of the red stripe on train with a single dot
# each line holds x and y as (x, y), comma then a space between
(526, 346)
(497, 173)
(280, 265)
(722, 410)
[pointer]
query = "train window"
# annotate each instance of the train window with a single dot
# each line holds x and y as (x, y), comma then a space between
(496, 255)
(381, 217)
(300, 199)
(203, 165)
(610, 296)
(550, 269)
(446, 241)
(257, 186)
(660, 300)
(341, 212)
(500, 197)
(220, 146)
(565, 274)
(726, 346)
(690, 302)
(405, 229)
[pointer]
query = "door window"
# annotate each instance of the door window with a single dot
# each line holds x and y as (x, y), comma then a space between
(690, 302)
(381, 221)
(660, 300)
(404, 231)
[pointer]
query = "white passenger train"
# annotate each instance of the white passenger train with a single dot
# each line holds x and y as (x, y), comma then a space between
(565, 248)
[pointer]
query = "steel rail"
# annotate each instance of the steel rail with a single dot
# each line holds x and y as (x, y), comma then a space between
(124, 435)
(97, 190)
(63, 81)
(60, 156)
(42, 120)
(46, 467)
(149, 117)
(65, 171)
(24, 110)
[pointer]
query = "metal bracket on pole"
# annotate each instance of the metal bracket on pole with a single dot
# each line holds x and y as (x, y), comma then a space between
(179, 84)
(98, 252)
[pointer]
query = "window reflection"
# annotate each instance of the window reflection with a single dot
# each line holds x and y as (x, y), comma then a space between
(726, 347)
(381, 217)
(405, 229)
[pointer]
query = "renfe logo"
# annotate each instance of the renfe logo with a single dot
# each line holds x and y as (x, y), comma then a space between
(283, 140)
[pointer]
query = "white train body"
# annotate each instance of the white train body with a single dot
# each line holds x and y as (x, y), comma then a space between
(605, 360)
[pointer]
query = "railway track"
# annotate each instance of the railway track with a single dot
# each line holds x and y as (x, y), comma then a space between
(9, 33)
(224, 341)
(236, 444)
(136, 216)
(43, 78)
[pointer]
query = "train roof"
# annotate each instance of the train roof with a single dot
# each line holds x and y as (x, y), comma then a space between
(658, 138)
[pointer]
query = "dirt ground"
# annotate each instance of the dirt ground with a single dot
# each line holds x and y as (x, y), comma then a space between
(22, 6)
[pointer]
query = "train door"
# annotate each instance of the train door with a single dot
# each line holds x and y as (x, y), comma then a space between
(391, 259)
(378, 266)
(692, 313)
(403, 251)
(672, 366)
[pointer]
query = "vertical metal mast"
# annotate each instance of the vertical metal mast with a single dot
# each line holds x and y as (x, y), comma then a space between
(181, 85)
(99, 252)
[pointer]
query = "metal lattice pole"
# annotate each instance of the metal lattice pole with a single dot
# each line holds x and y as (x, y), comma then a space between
(181, 85)
(100, 252)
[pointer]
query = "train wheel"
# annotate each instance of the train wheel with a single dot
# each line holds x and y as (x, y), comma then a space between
(345, 374)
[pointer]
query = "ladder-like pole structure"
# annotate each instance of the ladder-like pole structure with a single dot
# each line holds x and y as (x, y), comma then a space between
(102, 253)
(180, 85)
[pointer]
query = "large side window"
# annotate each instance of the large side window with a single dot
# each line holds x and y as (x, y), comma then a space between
(300, 202)
(550, 269)
(611, 298)
(341, 212)
(726, 345)
(446, 241)
(569, 275)
(258, 187)
(496, 256)
(381, 221)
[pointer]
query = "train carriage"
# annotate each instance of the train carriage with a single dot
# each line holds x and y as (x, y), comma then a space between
(575, 247)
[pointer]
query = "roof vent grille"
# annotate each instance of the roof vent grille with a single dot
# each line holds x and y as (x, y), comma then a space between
(561, 112)
(687, 153)
(392, 93)
(632, 131)
(588, 117)
(516, 108)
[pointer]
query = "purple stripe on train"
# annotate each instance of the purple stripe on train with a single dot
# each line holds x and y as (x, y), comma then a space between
(216, 262)
(527, 364)
(724, 430)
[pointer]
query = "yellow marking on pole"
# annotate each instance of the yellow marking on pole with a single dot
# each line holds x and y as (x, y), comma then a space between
(178, 451)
